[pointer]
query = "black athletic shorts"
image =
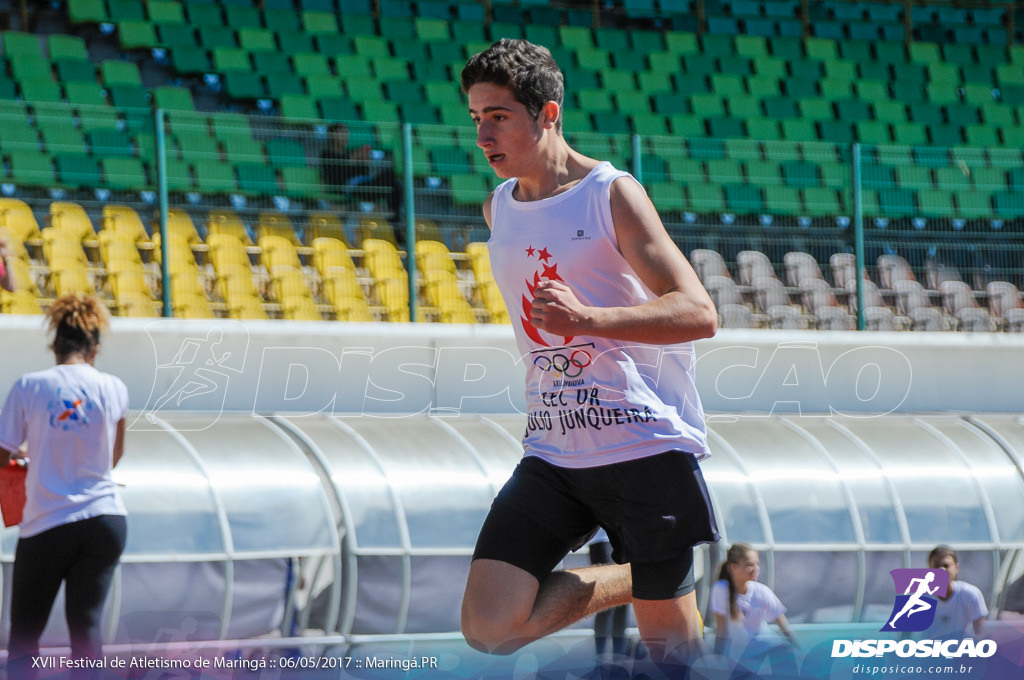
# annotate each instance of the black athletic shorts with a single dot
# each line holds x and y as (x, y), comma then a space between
(654, 509)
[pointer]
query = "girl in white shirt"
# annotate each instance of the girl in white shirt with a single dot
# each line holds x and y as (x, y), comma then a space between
(743, 608)
(70, 421)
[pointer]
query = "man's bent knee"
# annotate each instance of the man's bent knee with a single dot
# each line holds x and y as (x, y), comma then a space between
(498, 602)
(491, 637)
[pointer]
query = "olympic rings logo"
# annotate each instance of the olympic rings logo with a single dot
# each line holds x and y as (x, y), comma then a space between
(563, 366)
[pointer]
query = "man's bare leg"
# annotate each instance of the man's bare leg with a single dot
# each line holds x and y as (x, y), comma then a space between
(672, 630)
(505, 607)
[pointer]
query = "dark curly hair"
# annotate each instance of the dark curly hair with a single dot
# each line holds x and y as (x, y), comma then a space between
(528, 70)
(76, 321)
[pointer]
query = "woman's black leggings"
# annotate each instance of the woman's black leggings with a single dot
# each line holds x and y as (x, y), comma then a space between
(84, 556)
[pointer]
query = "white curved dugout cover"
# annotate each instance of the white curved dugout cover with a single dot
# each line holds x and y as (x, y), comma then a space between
(332, 478)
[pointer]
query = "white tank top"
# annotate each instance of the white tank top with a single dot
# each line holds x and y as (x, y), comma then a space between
(590, 401)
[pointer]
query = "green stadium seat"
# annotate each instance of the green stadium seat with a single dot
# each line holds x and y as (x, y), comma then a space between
(124, 173)
(30, 168)
(257, 39)
(201, 14)
(818, 109)
(117, 72)
(282, 19)
(190, 60)
(48, 91)
(299, 107)
(914, 177)
(1008, 204)
(800, 174)
(799, 130)
(705, 197)
(175, 35)
(301, 182)
(243, 85)
(85, 94)
(271, 63)
(214, 177)
(889, 111)
(822, 201)
(241, 148)
(217, 37)
(135, 34)
(297, 42)
(87, 11)
(319, 22)
(109, 143)
(686, 126)
(31, 68)
(765, 129)
(70, 70)
(256, 178)
(77, 170)
(242, 16)
(782, 200)
(974, 204)
(173, 98)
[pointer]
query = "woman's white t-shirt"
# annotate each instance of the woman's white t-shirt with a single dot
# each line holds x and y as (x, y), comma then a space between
(757, 606)
(68, 414)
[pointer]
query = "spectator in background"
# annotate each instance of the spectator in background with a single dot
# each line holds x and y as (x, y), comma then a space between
(362, 173)
(70, 420)
(743, 608)
(961, 614)
(7, 281)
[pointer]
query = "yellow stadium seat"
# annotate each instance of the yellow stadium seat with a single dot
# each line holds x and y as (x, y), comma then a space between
(21, 272)
(180, 222)
(300, 308)
(382, 259)
(330, 252)
(15, 245)
(341, 287)
(137, 305)
(288, 282)
(129, 282)
(277, 224)
(278, 251)
(479, 260)
(195, 308)
(71, 280)
(58, 246)
(381, 230)
(325, 225)
(244, 307)
(227, 250)
(19, 219)
(352, 309)
(113, 247)
(394, 296)
(227, 222)
(72, 219)
(19, 302)
(236, 280)
(427, 230)
(125, 220)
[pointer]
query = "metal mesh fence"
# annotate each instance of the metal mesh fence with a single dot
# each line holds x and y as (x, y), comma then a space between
(298, 219)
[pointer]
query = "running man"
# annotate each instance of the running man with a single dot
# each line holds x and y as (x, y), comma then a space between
(604, 307)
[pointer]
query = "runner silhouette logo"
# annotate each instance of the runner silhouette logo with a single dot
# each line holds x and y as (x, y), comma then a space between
(916, 593)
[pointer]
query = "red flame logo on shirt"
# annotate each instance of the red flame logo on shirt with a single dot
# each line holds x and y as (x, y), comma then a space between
(549, 272)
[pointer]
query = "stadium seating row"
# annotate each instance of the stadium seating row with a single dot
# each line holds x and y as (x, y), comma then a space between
(238, 272)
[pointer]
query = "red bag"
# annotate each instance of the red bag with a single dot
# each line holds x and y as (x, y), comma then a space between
(12, 492)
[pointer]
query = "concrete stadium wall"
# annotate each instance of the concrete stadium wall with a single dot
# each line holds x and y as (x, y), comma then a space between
(400, 369)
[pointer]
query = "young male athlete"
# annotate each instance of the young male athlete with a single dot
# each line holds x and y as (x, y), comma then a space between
(604, 307)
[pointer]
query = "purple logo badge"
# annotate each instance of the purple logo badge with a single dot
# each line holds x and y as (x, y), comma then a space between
(916, 595)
